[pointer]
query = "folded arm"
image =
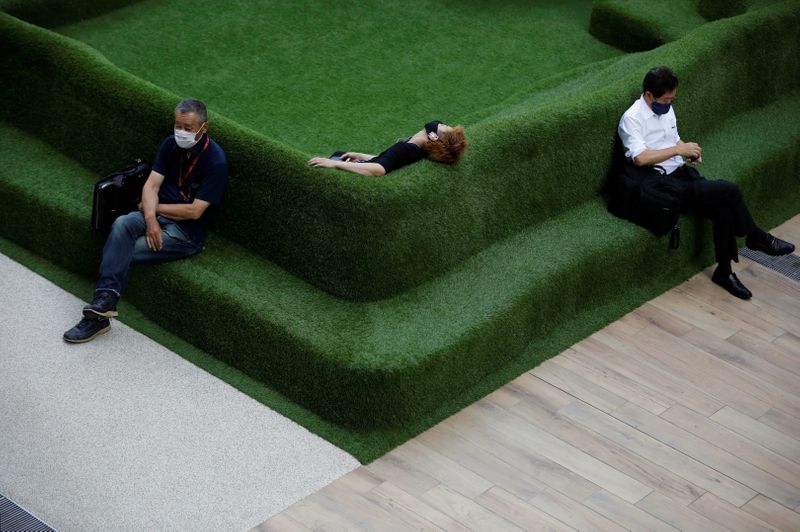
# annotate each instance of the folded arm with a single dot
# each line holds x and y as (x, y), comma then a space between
(690, 150)
(183, 211)
(632, 133)
(155, 239)
(152, 208)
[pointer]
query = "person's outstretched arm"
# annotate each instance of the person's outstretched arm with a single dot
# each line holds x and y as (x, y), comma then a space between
(372, 169)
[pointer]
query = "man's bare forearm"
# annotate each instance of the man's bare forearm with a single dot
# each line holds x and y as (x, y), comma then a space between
(371, 169)
(177, 211)
(149, 203)
(690, 150)
(651, 157)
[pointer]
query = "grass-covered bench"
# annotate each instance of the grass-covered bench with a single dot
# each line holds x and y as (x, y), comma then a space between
(534, 156)
(387, 367)
(383, 305)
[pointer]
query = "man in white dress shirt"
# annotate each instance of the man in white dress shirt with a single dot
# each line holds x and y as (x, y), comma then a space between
(649, 133)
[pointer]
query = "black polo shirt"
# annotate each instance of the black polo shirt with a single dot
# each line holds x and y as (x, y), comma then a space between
(204, 170)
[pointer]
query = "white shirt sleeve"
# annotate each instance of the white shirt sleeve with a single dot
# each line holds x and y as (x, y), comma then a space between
(632, 136)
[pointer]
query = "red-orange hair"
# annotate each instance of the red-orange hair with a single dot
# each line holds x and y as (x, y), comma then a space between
(448, 148)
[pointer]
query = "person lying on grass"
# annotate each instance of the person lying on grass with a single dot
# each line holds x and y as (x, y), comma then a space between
(436, 141)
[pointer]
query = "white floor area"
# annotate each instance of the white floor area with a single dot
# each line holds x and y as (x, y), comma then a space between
(122, 434)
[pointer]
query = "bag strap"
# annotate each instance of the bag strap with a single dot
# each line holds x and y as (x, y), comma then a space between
(675, 237)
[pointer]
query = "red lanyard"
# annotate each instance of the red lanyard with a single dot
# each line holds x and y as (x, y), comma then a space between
(182, 177)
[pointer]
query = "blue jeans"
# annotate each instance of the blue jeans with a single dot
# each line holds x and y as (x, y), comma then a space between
(126, 245)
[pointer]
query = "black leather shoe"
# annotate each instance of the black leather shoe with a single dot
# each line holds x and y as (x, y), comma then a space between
(104, 305)
(771, 245)
(732, 284)
(87, 329)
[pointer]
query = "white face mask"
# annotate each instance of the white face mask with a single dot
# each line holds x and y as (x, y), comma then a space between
(185, 139)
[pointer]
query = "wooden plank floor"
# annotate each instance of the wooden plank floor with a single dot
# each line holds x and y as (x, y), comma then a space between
(684, 414)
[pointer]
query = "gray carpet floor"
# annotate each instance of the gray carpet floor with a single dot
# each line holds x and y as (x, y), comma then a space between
(122, 434)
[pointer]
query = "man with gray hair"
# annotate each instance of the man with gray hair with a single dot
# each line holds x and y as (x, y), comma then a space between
(186, 184)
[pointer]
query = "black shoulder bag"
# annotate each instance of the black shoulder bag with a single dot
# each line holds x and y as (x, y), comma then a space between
(648, 197)
(117, 194)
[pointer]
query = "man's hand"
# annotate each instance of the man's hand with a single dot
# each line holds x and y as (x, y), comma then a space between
(155, 239)
(690, 150)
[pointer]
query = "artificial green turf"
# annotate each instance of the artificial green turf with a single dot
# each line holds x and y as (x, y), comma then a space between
(386, 369)
(50, 13)
(352, 75)
(365, 445)
(636, 25)
(465, 266)
(366, 239)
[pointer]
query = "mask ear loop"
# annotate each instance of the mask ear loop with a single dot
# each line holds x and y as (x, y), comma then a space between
(201, 129)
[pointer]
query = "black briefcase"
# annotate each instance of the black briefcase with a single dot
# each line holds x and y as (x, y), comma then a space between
(117, 194)
(648, 198)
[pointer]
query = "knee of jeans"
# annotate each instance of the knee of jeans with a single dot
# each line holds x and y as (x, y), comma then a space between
(118, 225)
(173, 232)
(124, 223)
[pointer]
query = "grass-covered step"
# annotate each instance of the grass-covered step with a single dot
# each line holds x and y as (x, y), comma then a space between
(318, 80)
(636, 25)
(50, 13)
(388, 368)
(538, 155)
(406, 362)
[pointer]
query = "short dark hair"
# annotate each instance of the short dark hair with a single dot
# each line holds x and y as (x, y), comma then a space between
(659, 80)
(190, 105)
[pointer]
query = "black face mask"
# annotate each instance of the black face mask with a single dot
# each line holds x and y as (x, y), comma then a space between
(432, 126)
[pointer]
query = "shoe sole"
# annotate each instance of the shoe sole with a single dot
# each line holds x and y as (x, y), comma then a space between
(93, 314)
(769, 252)
(89, 339)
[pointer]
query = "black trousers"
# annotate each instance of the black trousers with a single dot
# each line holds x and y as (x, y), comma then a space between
(721, 202)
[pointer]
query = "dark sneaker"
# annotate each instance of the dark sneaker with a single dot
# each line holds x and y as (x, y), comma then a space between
(87, 329)
(771, 245)
(104, 305)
